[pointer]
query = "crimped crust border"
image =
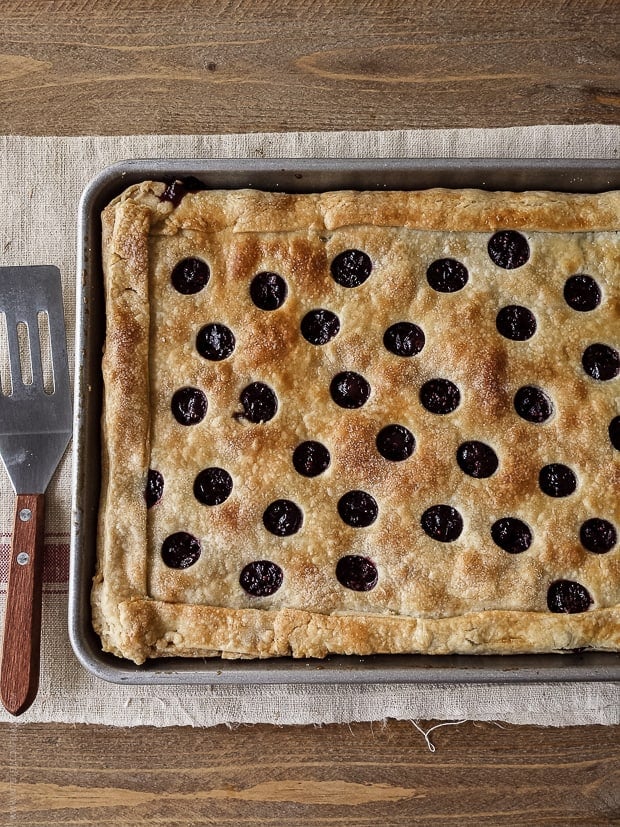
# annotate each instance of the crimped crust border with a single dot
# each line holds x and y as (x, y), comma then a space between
(134, 626)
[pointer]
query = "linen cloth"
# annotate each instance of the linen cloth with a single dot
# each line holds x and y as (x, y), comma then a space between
(41, 180)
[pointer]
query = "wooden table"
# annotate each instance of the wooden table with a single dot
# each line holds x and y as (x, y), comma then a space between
(172, 67)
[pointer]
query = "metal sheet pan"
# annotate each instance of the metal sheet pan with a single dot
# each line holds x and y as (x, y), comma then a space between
(287, 175)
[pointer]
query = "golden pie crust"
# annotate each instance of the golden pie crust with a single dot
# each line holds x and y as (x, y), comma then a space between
(463, 596)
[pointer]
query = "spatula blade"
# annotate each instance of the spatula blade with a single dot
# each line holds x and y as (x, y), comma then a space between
(35, 416)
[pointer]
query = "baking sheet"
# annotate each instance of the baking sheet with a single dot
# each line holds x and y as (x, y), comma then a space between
(287, 175)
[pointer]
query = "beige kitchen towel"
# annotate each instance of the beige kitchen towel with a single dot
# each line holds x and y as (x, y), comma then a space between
(40, 184)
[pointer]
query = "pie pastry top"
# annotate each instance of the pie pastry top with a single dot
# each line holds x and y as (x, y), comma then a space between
(359, 422)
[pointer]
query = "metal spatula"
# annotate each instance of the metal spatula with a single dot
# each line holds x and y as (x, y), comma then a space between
(35, 428)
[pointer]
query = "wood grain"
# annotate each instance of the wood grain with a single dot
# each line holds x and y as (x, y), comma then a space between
(19, 672)
(354, 776)
(194, 67)
(131, 67)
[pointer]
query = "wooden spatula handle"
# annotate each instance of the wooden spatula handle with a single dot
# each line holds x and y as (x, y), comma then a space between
(19, 674)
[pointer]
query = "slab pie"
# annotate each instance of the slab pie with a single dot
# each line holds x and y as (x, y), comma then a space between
(359, 422)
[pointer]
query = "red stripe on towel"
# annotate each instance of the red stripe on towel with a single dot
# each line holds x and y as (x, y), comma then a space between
(55, 563)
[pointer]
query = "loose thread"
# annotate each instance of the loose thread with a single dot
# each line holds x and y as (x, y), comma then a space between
(426, 733)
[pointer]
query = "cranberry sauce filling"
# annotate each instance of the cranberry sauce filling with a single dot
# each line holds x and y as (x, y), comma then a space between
(447, 275)
(582, 293)
(190, 275)
(351, 268)
(395, 442)
(349, 389)
(516, 322)
(174, 193)
(180, 550)
(261, 578)
(189, 406)
(508, 249)
(283, 518)
(404, 339)
(213, 486)
(319, 326)
(442, 522)
(310, 458)
(260, 404)
(268, 291)
(477, 459)
(598, 536)
(358, 509)
(177, 190)
(533, 404)
(215, 342)
(569, 597)
(154, 488)
(614, 432)
(601, 362)
(511, 535)
(557, 480)
(357, 573)
(440, 396)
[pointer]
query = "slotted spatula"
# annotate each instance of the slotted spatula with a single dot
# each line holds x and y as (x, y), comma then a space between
(35, 428)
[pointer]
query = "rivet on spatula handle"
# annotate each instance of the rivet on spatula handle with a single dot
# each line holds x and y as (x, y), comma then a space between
(19, 673)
